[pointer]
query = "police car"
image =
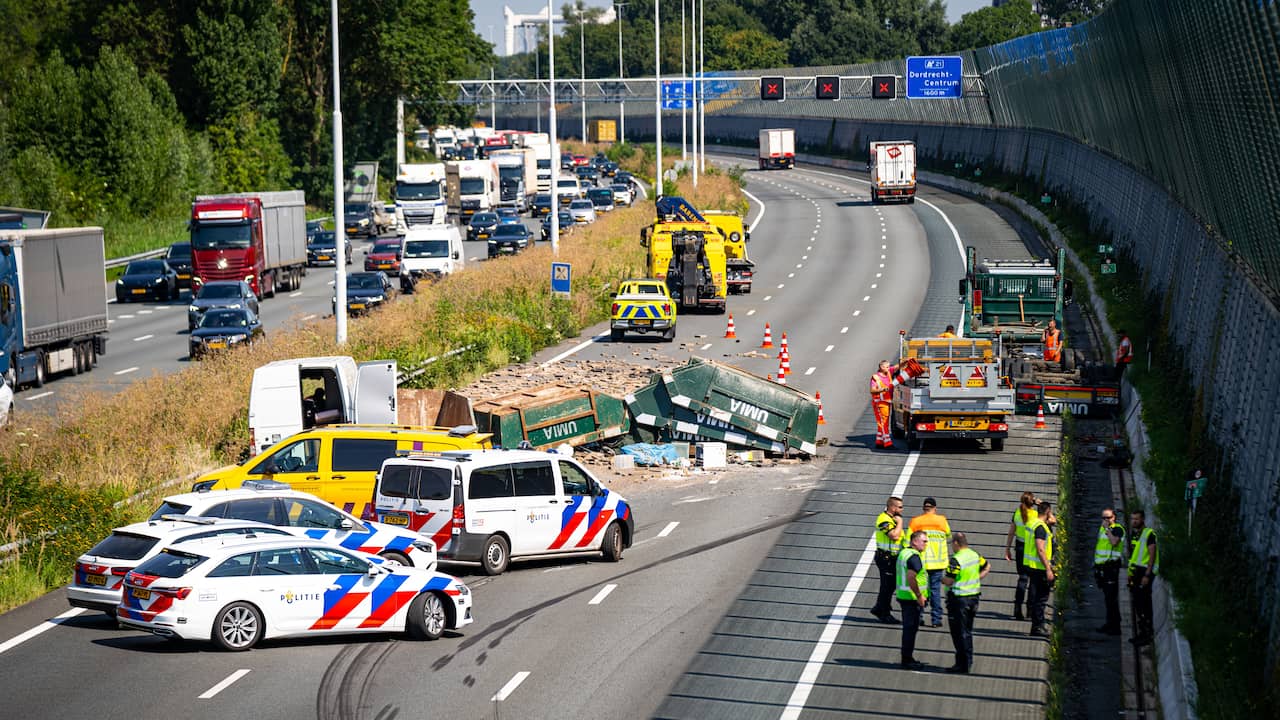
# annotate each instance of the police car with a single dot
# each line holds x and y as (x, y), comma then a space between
(100, 572)
(274, 503)
(236, 595)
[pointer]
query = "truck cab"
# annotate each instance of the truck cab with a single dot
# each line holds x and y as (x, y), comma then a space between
(420, 194)
(472, 186)
(739, 269)
(288, 396)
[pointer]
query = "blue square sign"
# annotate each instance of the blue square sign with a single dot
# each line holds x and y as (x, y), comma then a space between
(561, 274)
(935, 77)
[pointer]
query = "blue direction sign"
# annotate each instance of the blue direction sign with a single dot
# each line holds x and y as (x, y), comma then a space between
(677, 95)
(561, 274)
(935, 77)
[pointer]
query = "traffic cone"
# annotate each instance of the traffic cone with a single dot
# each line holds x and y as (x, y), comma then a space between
(782, 371)
(768, 337)
(769, 377)
(784, 342)
(784, 361)
(1040, 417)
(729, 331)
(821, 420)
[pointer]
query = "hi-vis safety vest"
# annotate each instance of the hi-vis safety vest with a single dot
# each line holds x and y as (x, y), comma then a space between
(904, 587)
(882, 387)
(967, 581)
(883, 542)
(1030, 557)
(1019, 527)
(1106, 551)
(936, 554)
(1139, 559)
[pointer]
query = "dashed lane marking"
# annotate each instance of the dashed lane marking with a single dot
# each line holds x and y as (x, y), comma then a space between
(750, 313)
(46, 393)
(865, 298)
(126, 370)
(295, 294)
(143, 337)
(790, 275)
(124, 317)
(580, 346)
(667, 530)
(810, 371)
(604, 593)
(511, 686)
(42, 627)
(707, 346)
(767, 298)
(856, 313)
(309, 317)
(226, 683)
(830, 348)
(844, 330)
(782, 285)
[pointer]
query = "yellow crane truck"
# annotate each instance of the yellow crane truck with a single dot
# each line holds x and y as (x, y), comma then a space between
(689, 253)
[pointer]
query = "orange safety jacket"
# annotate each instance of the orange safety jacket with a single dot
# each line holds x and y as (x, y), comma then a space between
(882, 386)
(1053, 345)
(1124, 351)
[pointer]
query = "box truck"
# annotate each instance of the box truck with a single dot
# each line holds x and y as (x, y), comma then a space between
(517, 177)
(472, 186)
(893, 171)
(777, 148)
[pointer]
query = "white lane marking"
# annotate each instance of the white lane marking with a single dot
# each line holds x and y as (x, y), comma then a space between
(856, 313)
(46, 393)
(782, 285)
(844, 330)
(124, 317)
(126, 370)
(224, 684)
(767, 298)
(309, 317)
(604, 593)
(704, 347)
(691, 499)
(515, 681)
(882, 256)
(750, 313)
(800, 265)
(332, 282)
(713, 482)
(840, 613)
(881, 265)
(295, 294)
(879, 274)
(803, 257)
(790, 275)
(667, 530)
(144, 312)
(884, 247)
(874, 286)
(574, 349)
(17, 640)
(866, 298)
(809, 247)
(143, 337)
(110, 321)
(810, 371)
(830, 348)
(759, 202)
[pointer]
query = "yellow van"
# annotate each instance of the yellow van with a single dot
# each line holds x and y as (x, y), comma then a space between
(338, 462)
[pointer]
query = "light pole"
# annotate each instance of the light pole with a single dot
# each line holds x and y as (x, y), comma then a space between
(551, 121)
(684, 78)
(340, 261)
(693, 50)
(702, 91)
(657, 94)
(493, 101)
(537, 71)
(622, 93)
(582, 59)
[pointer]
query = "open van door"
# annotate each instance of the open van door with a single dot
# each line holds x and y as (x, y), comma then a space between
(275, 405)
(376, 393)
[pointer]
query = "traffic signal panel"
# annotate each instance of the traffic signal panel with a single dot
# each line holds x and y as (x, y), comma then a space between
(884, 87)
(772, 88)
(828, 87)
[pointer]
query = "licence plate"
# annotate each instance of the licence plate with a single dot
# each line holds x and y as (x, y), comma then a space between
(217, 345)
(482, 236)
(384, 266)
(95, 580)
(396, 519)
(641, 322)
(323, 257)
(184, 276)
(139, 291)
(357, 306)
(140, 593)
(963, 424)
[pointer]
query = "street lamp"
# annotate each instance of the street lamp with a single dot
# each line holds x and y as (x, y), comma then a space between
(551, 121)
(693, 51)
(684, 78)
(622, 93)
(702, 94)
(582, 58)
(657, 97)
(339, 227)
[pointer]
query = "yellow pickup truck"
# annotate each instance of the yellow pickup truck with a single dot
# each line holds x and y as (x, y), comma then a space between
(642, 306)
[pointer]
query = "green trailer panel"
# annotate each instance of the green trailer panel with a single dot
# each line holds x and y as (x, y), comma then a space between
(551, 415)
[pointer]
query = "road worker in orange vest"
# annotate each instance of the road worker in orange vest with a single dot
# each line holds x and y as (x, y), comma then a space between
(1052, 342)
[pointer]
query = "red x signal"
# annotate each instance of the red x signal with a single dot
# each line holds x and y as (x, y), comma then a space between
(771, 88)
(828, 87)
(884, 87)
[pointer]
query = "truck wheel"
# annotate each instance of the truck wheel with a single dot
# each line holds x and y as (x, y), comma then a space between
(1069, 361)
(269, 285)
(76, 352)
(997, 444)
(39, 369)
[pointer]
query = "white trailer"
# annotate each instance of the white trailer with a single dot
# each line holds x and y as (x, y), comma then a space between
(472, 186)
(892, 165)
(517, 177)
(777, 148)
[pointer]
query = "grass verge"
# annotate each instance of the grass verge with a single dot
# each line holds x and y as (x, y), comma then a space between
(1066, 588)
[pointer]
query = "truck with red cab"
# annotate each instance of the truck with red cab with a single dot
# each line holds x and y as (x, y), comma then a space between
(257, 237)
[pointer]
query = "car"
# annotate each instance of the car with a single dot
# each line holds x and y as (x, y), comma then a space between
(583, 211)
(489, 507)
(587, 175)
(568, 190)
(566, 161)
(384, 255)
(238, 595)
(337, 462)
(622, 194)
(541, 205)
(481, 225)
(315, 226)
(580, 160)
(302, 514)
(99, 573)
(359, 220)
(222, 328)
(143, 279)
(508, 216)
(625, 177)
(323, 249)
(566, 224)
(366, 291)
(642, 305)
(179, 258)
(609, 169)
(508, 239)
(601, 199)
(232, 294)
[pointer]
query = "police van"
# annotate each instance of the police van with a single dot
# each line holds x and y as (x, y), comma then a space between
(488, 507)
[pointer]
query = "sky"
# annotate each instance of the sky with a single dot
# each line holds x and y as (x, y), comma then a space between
(489, 17)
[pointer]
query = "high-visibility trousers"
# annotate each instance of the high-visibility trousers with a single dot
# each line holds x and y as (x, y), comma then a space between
(883, 437)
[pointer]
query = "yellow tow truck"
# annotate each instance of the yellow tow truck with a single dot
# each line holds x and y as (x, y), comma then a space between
(642, 305)
(738, 268)
(689, 253)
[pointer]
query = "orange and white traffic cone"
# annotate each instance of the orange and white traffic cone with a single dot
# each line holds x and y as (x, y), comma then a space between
(782, 371)
(768, 337)
(821, 419)
(729, 331)
(784, 361)
(769, 377)
(784, 342)
(1040, 417)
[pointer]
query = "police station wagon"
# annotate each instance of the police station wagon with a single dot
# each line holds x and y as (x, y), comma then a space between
(489, 507)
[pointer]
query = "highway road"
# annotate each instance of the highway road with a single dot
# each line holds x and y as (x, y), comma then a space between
(744, 597)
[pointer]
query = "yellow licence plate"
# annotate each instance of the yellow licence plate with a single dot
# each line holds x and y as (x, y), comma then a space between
(95, 580)
(184, 276)
(357, 306)
(217, 345)
(323, 257)
(482, 236)
(384, 266)
(140, 593)
(640, 322)
(396, 519)
(139, 291)
(963, 424)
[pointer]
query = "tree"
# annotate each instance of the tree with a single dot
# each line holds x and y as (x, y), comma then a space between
(993, 25)
(234, 59)
(744, 50)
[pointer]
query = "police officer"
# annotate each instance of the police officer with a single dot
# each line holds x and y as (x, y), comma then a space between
(888, 543)
(1037, 556)
(913, 593)
(1107, 554)
(1144, 565)
(964, 578)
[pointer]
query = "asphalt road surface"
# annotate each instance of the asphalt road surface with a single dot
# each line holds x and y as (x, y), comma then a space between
(743, 597)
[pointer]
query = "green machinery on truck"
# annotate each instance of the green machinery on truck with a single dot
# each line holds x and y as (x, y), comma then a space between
(1013, 300)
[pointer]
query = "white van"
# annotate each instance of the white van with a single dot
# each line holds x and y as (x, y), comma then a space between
(488, 507)
(289, 396)
(430, 251)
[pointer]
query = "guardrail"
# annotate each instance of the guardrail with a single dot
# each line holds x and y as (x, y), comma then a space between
(117, 262)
